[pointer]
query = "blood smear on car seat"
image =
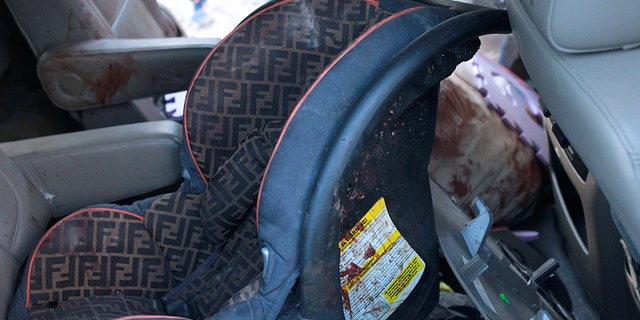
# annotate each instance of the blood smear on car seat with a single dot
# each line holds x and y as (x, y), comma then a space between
(378, 267)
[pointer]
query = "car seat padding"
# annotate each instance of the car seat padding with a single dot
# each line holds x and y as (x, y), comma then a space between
(259, 72)
(207, 238)
(315, 123)
(97, 252)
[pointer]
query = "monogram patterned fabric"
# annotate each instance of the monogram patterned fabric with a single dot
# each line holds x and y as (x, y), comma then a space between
(98, 308)
(189, 227)
(228, 214)
(175, 224)
(260, 71)
(233, 190)
(252, 80)
(97, 252)
(239, 262)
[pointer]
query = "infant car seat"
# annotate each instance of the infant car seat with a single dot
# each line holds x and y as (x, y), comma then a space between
(296, 95)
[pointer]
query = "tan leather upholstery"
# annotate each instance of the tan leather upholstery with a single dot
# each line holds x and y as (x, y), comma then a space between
(23, 217)
(104, 72)
(78, 169)
(594, 99)
(586, 25)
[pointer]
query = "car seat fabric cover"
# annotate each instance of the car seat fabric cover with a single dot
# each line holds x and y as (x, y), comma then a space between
(174, 219)
(281, 180)
(259, 75)
(107, 251)
(248, 82)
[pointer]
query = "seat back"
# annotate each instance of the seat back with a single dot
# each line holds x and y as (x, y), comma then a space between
(360, 138)
(262, 69)
(579, 54)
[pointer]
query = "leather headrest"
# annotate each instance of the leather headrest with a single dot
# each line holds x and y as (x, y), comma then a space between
(576, 26)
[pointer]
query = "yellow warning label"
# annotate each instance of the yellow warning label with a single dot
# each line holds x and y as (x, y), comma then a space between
(362, 224)
(386, 246)
(400, 283)
(378, 267)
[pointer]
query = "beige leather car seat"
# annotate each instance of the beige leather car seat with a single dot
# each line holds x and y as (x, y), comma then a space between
(23, 217)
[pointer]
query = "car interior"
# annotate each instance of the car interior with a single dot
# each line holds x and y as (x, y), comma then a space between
(319, 168)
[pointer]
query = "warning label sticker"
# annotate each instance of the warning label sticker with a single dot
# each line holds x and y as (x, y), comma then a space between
(378, 267)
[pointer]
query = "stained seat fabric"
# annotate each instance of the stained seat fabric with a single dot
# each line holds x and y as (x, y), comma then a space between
(251, 81)
(201, 241)
(110, 252)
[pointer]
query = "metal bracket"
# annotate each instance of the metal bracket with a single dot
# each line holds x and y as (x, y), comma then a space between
(475, 233)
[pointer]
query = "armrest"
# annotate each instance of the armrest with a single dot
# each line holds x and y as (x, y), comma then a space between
(78, 169)
(92, 73)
